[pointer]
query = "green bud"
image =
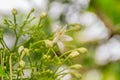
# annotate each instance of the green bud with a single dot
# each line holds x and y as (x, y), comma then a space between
(49, 71)
(14, 11)
(32, 10)
(47, 57)
(26, 51)
(11, 27)
(5, 21)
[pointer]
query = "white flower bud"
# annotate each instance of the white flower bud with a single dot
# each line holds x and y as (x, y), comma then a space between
(43, 14)
(48, 43)
(76, 66)
(82, 50)
(76, 74)
(20, 49)
(26, 51)
(74, 54)
(14, 11)
(22, 63)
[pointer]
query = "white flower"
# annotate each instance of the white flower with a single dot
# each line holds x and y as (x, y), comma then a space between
(60, 37)
(64, 69)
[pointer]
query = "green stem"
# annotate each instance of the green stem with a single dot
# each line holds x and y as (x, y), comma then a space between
(1, 56)
(62, 63)
(23, 25)
(15, 40)
(26, 20)
(14, 16)
(36, 43)
(10, 65)
(56, 55)
(68, 52)
(21, 74)
(23, 43)
(48, 51)
(15, 26)
(40, 20)
(3, 42)
(31, 66)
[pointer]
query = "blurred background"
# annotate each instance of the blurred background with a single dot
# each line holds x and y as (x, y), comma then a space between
(100, 33)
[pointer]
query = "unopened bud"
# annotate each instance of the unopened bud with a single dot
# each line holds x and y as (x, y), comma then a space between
(11, 27)
(43, 14)
(49, 71)
(20, 49)
(82, 50)
(77, 27)
(48, 43)
(76, 66)
(76, 74)
(5, 21)
(26, 51)
(14, 11)
(46, 57)
(74, 54)
(32, 10)
(22, 63)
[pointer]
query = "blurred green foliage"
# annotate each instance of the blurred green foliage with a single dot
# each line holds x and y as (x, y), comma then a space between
(110, 9)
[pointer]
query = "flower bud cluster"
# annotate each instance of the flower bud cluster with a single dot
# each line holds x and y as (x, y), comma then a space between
(22, 52)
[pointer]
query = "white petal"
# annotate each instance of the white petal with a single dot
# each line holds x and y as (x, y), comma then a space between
(55, 39)
(66, 38)
(61, 46)
(64, 28)
(61, 31)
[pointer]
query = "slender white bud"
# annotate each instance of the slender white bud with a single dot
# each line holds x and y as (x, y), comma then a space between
(76, 66)
(20, 49)
(74, 54)
(22, 63)
(26, 51)
(82, 50)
